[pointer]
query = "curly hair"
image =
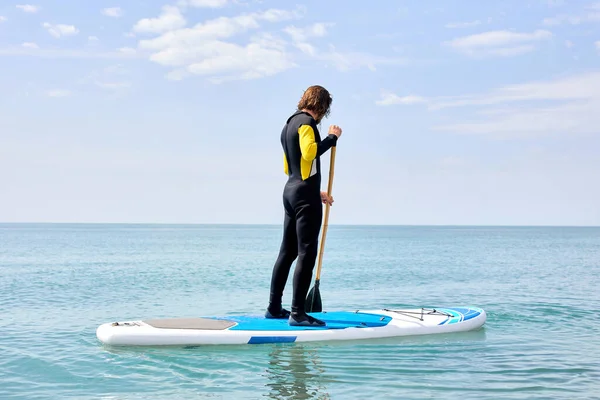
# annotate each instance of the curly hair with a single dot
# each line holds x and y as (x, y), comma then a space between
(316, 99)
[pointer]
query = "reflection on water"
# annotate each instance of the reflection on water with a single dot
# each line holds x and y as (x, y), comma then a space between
(318, 370)
(295, 372)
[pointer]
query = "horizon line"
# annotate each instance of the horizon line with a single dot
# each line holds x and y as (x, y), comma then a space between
(279, 224)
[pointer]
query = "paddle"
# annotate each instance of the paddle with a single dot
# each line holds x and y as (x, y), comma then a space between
(313, 300)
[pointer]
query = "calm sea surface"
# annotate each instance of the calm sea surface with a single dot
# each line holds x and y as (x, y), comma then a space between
(539, 286)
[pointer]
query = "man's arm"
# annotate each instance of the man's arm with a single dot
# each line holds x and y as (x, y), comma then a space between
(309, 147)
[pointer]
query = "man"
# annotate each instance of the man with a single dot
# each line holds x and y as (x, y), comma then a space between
(302, 201)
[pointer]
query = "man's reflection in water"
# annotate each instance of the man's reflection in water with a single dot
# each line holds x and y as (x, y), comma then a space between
(295, 372)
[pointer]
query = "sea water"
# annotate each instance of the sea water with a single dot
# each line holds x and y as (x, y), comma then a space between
(540, 287)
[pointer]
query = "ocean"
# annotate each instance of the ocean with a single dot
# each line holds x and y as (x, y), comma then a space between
(540, 287)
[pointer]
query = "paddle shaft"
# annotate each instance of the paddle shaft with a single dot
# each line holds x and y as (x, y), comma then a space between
(326, 220)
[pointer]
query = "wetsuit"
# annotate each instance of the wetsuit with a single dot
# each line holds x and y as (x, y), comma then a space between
(302, 147)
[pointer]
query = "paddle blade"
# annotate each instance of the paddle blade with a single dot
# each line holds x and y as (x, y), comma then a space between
(313, 300)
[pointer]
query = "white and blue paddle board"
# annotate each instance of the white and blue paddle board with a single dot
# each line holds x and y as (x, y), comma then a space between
(256, 329)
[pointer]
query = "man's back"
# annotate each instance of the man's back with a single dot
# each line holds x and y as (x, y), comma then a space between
(299, 139)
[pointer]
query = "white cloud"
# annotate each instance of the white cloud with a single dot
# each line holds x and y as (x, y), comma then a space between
(388, 99)
(497, 38)
(58, 93)
(203, 49)
(93, 39)
(565, 105)
(114, 79)
(28, 8)
(593, 16)
(223, 61)
(113, 85)
(455, 25)
(60, 30)
(30, 45)
(2, 19)
(127, 50)
(203, 3)
(498, 43)
(63, 53)
(572, 88)
(510, 51)
(343, 61)
(301, 35)
(114, 12)
(346, 61)
(170, 19)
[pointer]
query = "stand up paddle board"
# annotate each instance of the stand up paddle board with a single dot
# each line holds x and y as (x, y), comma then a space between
(256, 329)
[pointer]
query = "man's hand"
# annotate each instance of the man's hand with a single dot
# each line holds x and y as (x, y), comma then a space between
(336, 130)
(326, 199)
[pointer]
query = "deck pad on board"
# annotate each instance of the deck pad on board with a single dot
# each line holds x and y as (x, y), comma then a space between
(189, 323)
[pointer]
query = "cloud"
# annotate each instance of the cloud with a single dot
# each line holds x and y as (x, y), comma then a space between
(584, 87)
(58, 93)
(300, 36)
(113, 85)
(64, 53)
(170, 19)
(347, 61)
(206, 49)
(498, 43)
(30, 45)
(28, 8)
(223, 61)
(2, 19)
(203, 49)
(343, 61)
(184, 40)
(593, 16)
(114, 79)
(455, 25)
(93, 39)
(127, 51)
(60, 30)
(565, 105)
(516, 122)
(303, 34)
(388, 99)
(203, 3)
(114, 12)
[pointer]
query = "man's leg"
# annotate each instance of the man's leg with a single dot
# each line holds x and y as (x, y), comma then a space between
(287, 254)
(308, 226)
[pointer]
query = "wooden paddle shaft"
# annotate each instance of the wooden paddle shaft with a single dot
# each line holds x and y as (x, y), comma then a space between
(326, 221)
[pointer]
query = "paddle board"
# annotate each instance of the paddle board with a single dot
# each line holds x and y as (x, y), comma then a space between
(256, 329)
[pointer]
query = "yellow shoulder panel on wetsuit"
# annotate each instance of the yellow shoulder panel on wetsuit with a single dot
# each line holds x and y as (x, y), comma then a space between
(308, 148)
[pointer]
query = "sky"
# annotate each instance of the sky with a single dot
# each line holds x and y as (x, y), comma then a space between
(453, 112)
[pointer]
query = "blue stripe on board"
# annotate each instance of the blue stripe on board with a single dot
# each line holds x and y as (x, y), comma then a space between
(334, 320)
(271, 339)
(460, 314)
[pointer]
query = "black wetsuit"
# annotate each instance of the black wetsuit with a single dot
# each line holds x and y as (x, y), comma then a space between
(302, 146)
